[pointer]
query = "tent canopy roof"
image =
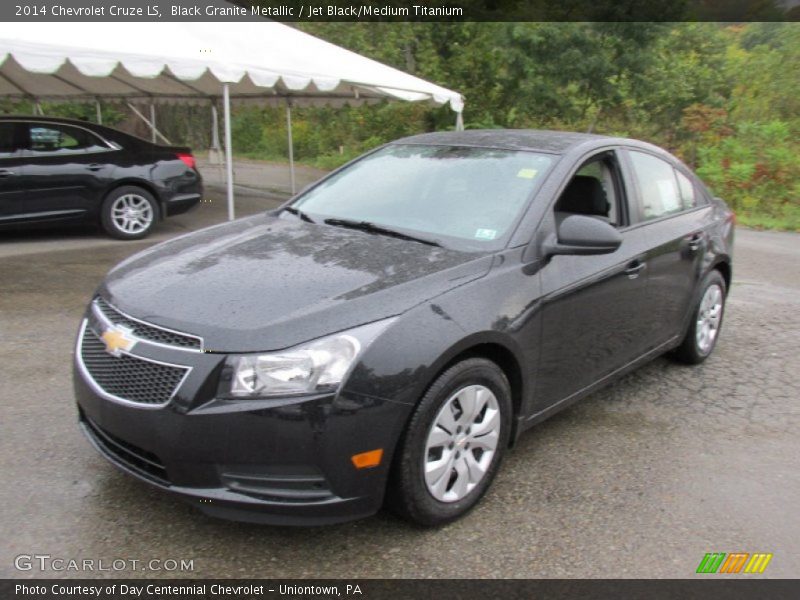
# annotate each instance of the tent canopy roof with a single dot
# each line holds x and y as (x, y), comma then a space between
(190, 62)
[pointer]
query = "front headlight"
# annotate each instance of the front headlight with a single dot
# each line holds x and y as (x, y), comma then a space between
(315, 367)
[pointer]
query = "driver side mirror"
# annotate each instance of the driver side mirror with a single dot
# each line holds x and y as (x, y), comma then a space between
(583, 235)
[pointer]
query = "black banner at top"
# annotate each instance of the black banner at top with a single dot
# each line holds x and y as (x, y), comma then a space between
(401, 10)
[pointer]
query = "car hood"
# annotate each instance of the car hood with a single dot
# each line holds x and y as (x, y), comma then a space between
(265, 283)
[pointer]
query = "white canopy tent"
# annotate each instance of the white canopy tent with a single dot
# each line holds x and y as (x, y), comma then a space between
(199, 62)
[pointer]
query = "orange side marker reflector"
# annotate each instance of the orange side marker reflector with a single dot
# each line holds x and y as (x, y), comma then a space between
(365, 460)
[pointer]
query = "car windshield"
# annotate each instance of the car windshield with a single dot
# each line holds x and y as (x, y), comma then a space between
(445, 193)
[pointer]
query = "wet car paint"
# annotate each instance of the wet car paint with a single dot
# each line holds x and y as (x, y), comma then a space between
(560, 327)
(293, 281)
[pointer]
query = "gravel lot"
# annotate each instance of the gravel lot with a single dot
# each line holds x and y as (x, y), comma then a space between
(639, 480)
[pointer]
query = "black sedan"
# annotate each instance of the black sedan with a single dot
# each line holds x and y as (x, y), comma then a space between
(61, 170)
(387, 335)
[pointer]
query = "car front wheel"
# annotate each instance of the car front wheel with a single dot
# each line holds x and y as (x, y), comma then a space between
(453, 445)
(704, 328)
(129, 213)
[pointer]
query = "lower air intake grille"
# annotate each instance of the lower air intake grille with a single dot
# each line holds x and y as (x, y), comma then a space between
(128, 377)
(145, 463)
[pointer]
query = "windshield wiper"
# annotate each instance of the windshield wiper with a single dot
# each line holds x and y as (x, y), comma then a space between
(381, 230)
(296, 211)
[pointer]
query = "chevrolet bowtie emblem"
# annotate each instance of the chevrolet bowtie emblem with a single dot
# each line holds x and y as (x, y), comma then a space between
(117, 339)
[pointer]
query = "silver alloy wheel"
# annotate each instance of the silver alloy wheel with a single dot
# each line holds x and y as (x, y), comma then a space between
(132, 213)
(461, 443)
(708, 318)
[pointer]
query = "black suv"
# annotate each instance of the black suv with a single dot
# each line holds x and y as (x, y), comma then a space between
(54, 170)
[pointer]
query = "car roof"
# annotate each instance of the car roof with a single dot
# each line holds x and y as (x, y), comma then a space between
(46, 119)
(541, 140)
(108, 132)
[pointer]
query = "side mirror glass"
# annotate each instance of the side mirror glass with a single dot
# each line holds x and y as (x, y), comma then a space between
(582, 235)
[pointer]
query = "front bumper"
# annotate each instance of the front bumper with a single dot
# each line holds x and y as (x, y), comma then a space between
(279, 461)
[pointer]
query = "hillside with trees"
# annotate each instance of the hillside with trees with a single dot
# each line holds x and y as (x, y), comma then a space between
(725, 98)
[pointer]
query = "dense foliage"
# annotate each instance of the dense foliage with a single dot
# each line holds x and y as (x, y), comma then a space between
(725, 98)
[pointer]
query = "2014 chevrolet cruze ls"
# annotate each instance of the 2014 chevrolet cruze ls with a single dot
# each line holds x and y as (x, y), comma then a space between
(386, 335)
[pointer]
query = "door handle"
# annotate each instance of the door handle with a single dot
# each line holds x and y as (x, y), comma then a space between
(695, 241)
(6, 172)
(635, 268)
(95, 167)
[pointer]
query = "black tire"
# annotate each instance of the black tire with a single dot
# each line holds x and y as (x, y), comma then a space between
(408, 495)
(113, 221)
(690, 351)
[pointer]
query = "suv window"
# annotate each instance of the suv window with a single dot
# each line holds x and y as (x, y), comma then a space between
(595, 191)
(61, 139)
(658, 187)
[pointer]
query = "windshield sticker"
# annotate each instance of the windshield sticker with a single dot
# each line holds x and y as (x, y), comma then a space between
(527, 173)
(485, 234)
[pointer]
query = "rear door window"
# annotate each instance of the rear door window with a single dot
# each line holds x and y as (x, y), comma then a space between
(57, 139)
(658, 188)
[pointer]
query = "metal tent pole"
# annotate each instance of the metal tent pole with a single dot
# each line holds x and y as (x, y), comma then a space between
(291, 144)
(214, 127)
(153, 122)
(226, 109)
(459, 121)
(98, 112)
(150, 124)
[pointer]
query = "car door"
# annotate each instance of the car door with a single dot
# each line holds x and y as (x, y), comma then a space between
(11, 162)
(675, 220)
(64, 172)
(593, 320)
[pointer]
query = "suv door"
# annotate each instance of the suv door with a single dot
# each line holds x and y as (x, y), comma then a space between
(675, 220)
(593, 319)
(65, 171)
(11, 162)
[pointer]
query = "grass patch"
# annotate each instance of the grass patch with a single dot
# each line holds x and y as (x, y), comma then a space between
(756, 221)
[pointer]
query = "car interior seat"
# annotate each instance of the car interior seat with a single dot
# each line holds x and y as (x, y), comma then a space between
(584, 195)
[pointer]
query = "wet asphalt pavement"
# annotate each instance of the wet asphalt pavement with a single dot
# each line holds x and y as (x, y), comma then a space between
(639, 480)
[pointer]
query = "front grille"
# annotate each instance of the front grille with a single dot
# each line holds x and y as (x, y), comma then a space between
(141, 461)
(129, 377)
(147, 332)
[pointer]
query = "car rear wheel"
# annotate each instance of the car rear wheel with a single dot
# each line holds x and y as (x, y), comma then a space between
(704, 328)
(454, 444)
(129, 213)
